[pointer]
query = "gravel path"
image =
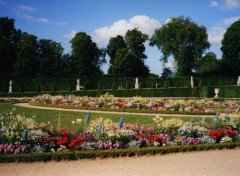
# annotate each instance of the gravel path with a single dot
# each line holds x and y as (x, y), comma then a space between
(205, 163)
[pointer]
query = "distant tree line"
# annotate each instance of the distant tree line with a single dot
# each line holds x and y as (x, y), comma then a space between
(23, 55)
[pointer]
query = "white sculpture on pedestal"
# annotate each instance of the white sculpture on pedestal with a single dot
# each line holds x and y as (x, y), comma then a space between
(10, 87)
(192, 83)
(238, 81)
(78, 85)
(216, 90)
(136, 84)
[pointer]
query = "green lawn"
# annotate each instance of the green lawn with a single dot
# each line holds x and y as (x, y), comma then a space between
(67, 117)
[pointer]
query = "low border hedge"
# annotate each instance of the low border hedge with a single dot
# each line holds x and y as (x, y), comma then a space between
(93, 154)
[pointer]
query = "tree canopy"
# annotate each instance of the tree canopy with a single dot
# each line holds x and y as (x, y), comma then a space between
(86, 56)
(184, 40)
(231, 49)
(207, 65)
(127, 56)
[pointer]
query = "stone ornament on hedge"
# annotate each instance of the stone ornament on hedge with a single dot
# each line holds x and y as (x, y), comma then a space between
(238, 81)
(10, 87)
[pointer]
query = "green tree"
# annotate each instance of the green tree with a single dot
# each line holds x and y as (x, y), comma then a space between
(115, 44)
(8, 41)
(27, 62)
(50, 57)
(207, 64)
(167, 72)
(184, 40)
(231, 49)
(129, 61)
(86, 56)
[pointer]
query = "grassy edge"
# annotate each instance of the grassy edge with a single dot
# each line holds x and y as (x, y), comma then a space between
(93, 154)
(120, 110)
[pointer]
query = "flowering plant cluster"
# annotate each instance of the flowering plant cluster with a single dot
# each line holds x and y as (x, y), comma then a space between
(20, 134)
(15, 100)
(109, 101)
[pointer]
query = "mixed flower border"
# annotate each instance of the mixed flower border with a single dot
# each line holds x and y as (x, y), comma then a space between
(22, 139)
(137, 104)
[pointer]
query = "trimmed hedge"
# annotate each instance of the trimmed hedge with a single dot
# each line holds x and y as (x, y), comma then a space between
(64, 84)
(204, 91)
(93, 154)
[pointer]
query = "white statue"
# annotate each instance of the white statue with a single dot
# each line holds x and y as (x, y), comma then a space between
(78, 85)
(216, 91)
(192, 83)
(238, 81)
(136, 84)
(10, 87)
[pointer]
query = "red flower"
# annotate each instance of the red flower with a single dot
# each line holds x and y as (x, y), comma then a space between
(216, 134)
(156, 138)
(230, 133)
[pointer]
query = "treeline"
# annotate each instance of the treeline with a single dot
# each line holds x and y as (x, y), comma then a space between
(23, 55)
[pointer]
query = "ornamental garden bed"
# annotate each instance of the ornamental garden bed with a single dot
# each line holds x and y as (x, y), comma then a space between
(23, 139)
(137, 104)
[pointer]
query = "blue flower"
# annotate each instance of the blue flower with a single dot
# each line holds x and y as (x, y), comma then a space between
(88, 117)
(100, 127)
(25, 134)
(120, 124)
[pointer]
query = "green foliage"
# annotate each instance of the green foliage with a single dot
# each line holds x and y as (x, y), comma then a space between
(183, 39)
(86, 56)
(166, 84)
(127, 56)
(220, 82)
(27, 61)
(54, 88)
(99, 85)
(9, 37)
(4, 88)
(50, 54)
(127, 85)
(38, 88)
(232, 82)
(113, 85)
(21, 89)
(230, 48)
(207, 64)
(167, 73)
(200, 83)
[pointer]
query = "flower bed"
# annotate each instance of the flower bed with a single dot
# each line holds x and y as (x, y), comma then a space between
(15, 100)
(139, 104)
(102, 138)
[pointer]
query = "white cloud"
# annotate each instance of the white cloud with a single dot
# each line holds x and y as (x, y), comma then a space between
(214, 3)
(229, 21)
(70, 35)
(232, 4)
(144, 23)
(26, 8)
(226, 4)
(25, 11)
(216, 33)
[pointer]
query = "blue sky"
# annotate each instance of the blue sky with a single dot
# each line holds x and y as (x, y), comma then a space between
(59, 20)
